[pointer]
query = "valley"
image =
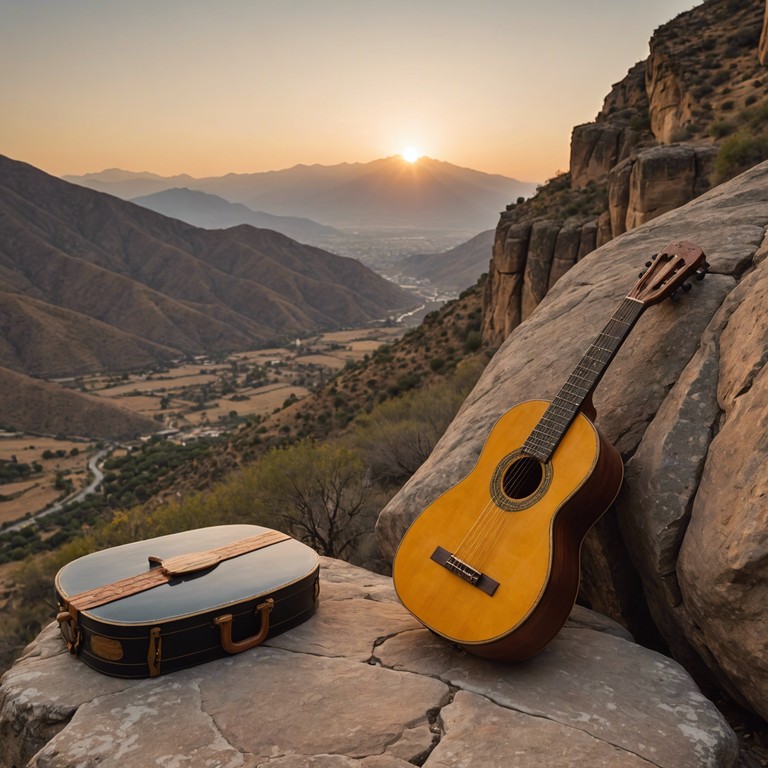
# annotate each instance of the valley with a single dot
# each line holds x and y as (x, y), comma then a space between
(199, 398)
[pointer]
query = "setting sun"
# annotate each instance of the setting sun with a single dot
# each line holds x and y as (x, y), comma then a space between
(410, 154)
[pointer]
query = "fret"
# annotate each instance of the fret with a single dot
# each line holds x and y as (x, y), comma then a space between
(572, 385)
(581, 376)
(562, 410)
(572, 401)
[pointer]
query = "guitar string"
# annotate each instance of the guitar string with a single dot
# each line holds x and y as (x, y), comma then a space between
(484, 531)
(472, 547)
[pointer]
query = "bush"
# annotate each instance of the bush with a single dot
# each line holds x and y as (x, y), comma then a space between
(720, 128)
(739, 153)
(473, 342)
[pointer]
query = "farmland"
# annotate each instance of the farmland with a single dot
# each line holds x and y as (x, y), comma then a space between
(203, 397)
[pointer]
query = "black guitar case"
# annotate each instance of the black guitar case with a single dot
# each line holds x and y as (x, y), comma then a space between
(156, 606)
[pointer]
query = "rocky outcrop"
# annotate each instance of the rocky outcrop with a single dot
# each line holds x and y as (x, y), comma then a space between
(671, 104)
(528, 259)
(658, 180)
(530, 256)
(684, 402)
(595, 149)
(599, 146)
(650, 147)
(363, 684)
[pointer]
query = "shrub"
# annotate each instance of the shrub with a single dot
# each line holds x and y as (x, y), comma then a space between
(738, 153)
(720, 128)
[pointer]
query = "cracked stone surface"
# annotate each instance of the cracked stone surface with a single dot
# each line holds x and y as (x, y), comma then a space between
(363, 685)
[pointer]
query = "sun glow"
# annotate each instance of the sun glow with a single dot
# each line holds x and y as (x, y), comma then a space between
(410, 154)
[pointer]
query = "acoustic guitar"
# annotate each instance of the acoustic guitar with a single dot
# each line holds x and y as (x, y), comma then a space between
(492, 564)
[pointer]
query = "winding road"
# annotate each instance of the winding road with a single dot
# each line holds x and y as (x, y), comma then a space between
(97, 475)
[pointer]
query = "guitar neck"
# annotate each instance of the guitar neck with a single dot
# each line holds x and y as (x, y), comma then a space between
(548, 433)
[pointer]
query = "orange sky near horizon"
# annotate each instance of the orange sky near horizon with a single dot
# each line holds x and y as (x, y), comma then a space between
(193, 86)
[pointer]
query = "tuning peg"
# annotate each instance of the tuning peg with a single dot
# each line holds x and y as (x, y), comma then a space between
(648, 263)
(642, 273)
(686, 287)
(674, 296)
(701, 273)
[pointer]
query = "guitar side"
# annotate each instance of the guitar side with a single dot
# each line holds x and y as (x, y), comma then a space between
(526, 551)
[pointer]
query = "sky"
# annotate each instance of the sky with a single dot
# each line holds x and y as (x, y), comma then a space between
(209, 87)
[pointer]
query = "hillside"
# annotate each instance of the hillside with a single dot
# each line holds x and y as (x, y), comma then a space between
(90, 282)
(390, 192)
(446, 338)
(213, 212)
(454, 269)
(42, 407)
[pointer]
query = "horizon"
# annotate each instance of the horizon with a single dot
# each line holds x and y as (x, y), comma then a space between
(397, 156)
(186, 88)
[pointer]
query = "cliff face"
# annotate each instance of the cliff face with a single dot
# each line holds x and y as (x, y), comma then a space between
(650, 150)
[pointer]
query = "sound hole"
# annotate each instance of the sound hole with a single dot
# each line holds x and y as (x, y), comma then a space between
(522, 478)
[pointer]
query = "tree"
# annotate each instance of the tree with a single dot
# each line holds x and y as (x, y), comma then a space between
(321, 492)
(399, 434)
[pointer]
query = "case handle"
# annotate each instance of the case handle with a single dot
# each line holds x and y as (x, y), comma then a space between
(225, 629)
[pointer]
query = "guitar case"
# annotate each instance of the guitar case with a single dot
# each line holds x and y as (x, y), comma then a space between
(160, 605)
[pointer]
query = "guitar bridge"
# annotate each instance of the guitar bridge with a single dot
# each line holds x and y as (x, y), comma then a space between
(464, 571)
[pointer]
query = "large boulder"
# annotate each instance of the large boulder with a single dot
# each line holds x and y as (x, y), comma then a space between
(660, 180)
(363, 684)
(685, 403)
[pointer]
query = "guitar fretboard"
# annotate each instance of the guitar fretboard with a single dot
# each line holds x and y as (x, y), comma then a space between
(548, 433)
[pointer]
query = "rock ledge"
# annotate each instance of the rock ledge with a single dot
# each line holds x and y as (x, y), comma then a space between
(363, 684)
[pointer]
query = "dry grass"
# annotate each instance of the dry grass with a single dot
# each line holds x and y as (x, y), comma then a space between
(37, 492)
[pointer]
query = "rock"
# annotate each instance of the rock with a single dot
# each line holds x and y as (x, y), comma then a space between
(566, 251)
(362, 684)
(505, 284)
(541, 252)
(723, 563)
(684, 402)
(629, 94)
(588, 241)
(618, 196)
(597, 147)
(579, 682)
(604, 233)
(670, 103)
(528, 259)
(594, 151)
(470, 715)
(661, 179)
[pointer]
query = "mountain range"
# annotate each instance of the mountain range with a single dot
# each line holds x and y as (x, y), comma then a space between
(384, 193)
(213, 212)
(89, 282)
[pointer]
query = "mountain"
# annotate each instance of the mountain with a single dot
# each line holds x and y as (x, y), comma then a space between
(390, 192)
(455, 269)
(90, 282)
(213, 212)
(43, 407)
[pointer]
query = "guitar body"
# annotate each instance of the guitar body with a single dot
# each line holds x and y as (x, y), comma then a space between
(493, 563)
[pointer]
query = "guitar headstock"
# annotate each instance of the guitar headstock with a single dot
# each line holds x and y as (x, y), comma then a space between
(667, 272)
